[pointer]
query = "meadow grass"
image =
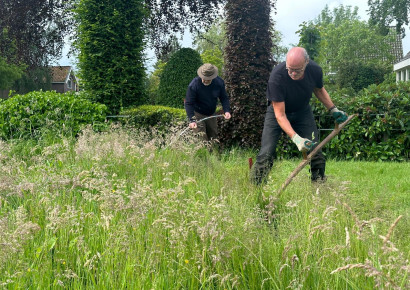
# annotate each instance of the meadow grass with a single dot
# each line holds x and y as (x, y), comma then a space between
(119, 210)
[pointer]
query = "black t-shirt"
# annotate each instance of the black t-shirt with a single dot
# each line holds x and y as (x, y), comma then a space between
(295, 94)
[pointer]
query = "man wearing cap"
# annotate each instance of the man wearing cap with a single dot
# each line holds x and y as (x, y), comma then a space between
(290, 87)
(201, 99)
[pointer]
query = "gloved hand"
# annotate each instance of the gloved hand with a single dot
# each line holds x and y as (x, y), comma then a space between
(302, 143)
(338, 115)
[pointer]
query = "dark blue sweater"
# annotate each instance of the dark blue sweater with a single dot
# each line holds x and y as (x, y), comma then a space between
(203, 99)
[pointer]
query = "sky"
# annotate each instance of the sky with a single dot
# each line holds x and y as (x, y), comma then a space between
(289, 15)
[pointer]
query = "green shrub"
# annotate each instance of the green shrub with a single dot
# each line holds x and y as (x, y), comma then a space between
(177, 74)
(160, 117)
(359, 75)
(30, 115)
(380, 132)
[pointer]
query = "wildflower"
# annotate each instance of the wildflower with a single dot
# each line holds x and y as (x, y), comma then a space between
(186, 261)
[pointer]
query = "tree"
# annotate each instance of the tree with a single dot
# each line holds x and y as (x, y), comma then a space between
(153, 82)
(338, 40)
(310, 38)
(338, 15)
(176, 76)
(167, 17)
(35, 29)
(169, 49)
(248, 54)
(32, 35)
(247, 67)
(384, 12)
(213, 38)
(110, 41)
(9, 73)
(350, 41)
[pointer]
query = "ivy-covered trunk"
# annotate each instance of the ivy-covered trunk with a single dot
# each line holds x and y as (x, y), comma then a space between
(248, 62)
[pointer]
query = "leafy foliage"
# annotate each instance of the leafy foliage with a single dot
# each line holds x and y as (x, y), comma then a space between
(384, 12)
(153, 83)
(111, 42)
(169, 16)
(347, 47)
(381, 130)
(9, 73)
(160, 117)
(310, 38)
(359, 75)
(215, 57)
(35, 79)
(32, 34)
(26, 116)
(247, 66)
(178, 73)
(213, 38)
(35, 29)
(352, 41)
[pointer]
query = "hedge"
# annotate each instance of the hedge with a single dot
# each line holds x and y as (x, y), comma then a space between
(381, 130)
(33, 114)
(149, 116)
(177, 75)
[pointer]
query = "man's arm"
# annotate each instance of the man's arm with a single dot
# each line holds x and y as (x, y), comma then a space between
(224, 99)
(323, 97)
(279, 109)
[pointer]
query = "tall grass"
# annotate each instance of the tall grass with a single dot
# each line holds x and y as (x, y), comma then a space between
(115, 210)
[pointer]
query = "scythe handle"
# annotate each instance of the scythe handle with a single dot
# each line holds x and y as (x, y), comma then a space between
(336, 130)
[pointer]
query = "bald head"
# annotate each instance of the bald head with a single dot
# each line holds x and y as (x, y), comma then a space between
(296, 60)
(297, 55)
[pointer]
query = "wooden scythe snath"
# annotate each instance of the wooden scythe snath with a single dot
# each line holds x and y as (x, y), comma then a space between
(306, 159)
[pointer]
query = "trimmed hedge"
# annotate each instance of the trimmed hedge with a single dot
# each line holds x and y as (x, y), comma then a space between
(33, 114)
(177, 74)
(160, 117)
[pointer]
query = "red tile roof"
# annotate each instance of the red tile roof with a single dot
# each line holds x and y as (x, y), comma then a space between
(60, 73)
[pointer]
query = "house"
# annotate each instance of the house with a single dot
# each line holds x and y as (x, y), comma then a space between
(63, 79)
(402, 69)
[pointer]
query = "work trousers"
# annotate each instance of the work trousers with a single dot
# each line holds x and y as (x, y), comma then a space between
(208, 129)
(304, 124)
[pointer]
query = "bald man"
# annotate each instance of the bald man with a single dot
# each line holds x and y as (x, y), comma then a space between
(290, 87)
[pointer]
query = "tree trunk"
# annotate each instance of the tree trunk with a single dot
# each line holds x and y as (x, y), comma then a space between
(248, 62)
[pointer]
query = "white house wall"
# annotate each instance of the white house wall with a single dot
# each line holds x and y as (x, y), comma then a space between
(402, 70)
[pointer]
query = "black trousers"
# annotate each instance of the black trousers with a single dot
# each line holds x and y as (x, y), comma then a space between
(304, 124)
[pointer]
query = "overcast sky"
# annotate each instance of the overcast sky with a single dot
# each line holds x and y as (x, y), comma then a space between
(289, 15)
